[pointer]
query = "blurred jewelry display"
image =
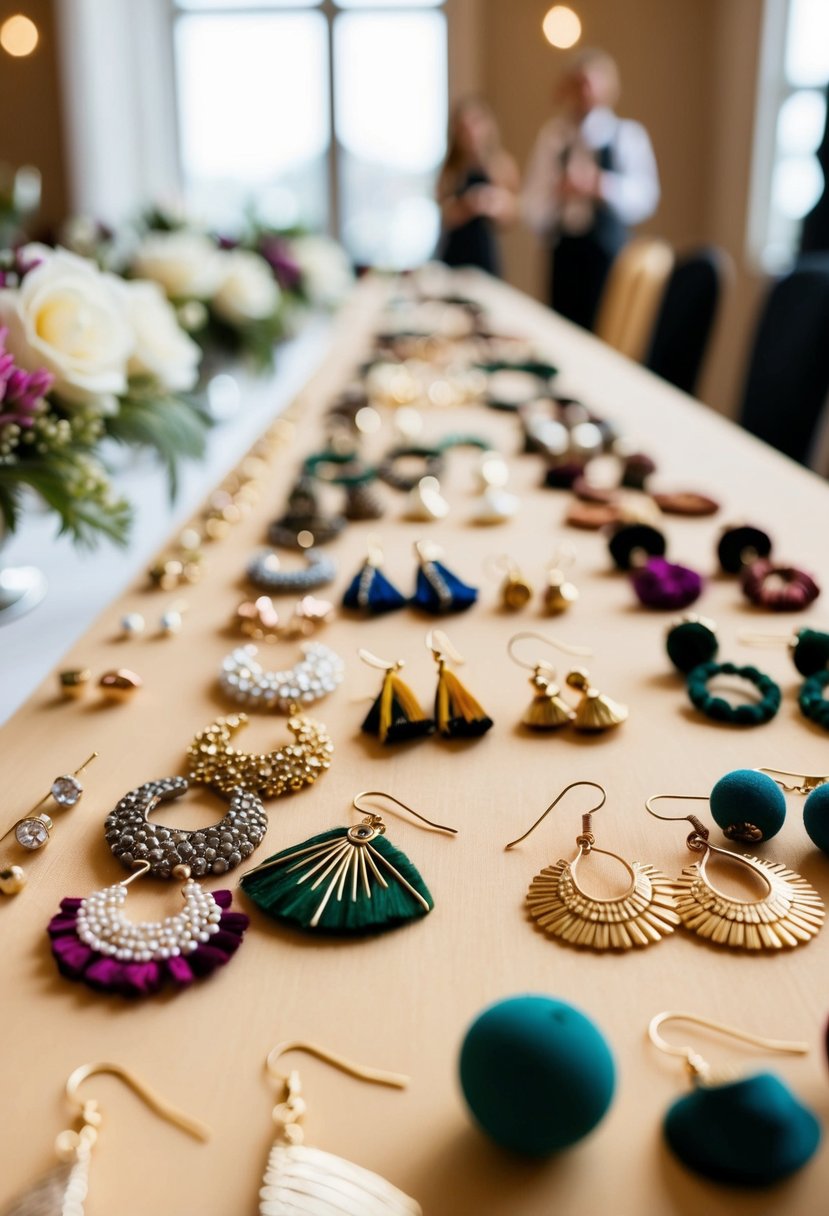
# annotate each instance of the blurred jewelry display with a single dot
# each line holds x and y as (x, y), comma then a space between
(301, 1179)
(657, 583)
(788, 914)
(93, 942)
(213, 760)
(425, 502)
(429, 460)
(347, 470)
(349, 881)
(259, 619)
(246, 682)
(133, 839)
(303, 518)
(560, 594)
(437, 589)
(515, 591)
(746, 551)
(643, 915)
(370, 591)
(266, 571)
(63, 1191)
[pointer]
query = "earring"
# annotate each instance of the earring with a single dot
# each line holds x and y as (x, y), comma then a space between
(265, 571)
(170, 622)
(457, 714)
(370, 591)
(395, 715)
(303, 518)
(746, 550)
(73, 684)
(213, 760)
(495, 503)
(119, 686)
(261, 621)
(93, 942)
(595, 712)
(548, 710)
(425, 501)
(302, 1179)
(658, 583)
(32, 832)
(357, 882)
(643, 915)
(437, 590)
(809, 649)
(789, 913)
(63, 1190)
(246, 682)
(692, 645)
(559, 593)
(516, 592)
(816, 807)
(132, 838)
(752, 1131)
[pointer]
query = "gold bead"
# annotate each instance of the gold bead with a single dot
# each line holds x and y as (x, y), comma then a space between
(74, 683)
(119, 685)
(12, 880)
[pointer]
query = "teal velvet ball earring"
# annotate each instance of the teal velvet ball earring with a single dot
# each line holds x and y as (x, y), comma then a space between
(816, 817)
(751, 1132)
(537, 1074)
(748, 805)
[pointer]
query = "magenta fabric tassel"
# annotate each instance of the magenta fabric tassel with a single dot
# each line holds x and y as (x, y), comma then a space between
(77, 961)
(662, 584)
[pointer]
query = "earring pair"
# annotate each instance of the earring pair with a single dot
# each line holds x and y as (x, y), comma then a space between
(437, 589)
(34, 829)
(692, 647)
(133, 624)
(396, 715)
(548, 710)
(558, 593)
(809, 651)
(119, 684)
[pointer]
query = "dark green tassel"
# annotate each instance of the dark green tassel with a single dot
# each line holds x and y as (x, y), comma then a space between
(278, 889)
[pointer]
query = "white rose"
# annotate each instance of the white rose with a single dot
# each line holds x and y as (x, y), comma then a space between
(326, 272)
(67, 317)
(248, 291)
(186, 264)
(162, 349)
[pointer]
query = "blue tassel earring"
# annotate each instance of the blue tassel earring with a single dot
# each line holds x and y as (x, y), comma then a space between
(370, 591)
(438, 590)
(749, 1131)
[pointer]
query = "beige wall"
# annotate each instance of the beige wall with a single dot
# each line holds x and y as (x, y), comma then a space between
(29, 108)
(689, 74)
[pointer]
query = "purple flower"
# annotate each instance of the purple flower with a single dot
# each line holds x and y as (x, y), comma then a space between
(21, 392)
(277, 254)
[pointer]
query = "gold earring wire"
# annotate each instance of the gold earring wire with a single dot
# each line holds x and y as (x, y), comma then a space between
(362, 1072)
(157, 1104)
(807, 782)
(372, 660)
(696, 1065)
(355, 802)
(525, 635)
(641, 916)
(438, 643)
(789, 914)
(750, 637)
(548, 710)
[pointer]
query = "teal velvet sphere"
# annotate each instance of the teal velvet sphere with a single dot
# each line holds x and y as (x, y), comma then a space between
(752, 1132)
(816, 817)
(748, 805)
(536, 1073)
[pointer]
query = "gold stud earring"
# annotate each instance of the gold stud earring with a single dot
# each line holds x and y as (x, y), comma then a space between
(548, 710)
(74, 683)
(515, 591)
(119, 685)
(644, 914)
(559, 593)
(595, 712)
(32, 832)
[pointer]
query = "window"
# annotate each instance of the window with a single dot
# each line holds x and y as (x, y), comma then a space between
(791, 117)
(319, 113)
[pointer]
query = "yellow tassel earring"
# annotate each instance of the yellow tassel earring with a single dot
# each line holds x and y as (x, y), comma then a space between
(457, 714)
(395, 716)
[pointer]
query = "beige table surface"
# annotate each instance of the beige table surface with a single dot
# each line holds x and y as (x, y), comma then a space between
(403, 1001)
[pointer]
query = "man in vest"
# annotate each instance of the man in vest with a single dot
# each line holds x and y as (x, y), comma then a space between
(590, 178)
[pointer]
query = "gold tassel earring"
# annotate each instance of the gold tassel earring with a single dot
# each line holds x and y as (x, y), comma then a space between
(548, 710)
(457, 714)
(395, 715)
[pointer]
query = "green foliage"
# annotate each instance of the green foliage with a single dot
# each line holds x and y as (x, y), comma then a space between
(76, 488)
(174, 428)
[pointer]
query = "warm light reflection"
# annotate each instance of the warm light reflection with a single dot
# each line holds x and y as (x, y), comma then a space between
(561, 27)
(18, 36)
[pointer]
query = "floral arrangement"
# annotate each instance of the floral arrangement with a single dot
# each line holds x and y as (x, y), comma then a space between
(118, 361)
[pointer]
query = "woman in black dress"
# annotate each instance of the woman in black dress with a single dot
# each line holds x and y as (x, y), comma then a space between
(477, 188)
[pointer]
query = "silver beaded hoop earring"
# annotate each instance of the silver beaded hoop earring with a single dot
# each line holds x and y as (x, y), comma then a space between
(247, 683)
(265, 570)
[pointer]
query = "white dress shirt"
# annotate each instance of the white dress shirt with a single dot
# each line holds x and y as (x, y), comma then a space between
(631, 188)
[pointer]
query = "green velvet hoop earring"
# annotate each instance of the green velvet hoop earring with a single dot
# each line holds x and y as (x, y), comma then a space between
(719, 710)
(813, 704)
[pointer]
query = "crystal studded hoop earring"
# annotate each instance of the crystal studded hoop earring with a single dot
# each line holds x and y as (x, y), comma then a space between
(562, 908)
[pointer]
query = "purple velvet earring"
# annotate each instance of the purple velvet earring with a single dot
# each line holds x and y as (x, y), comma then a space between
(640, 550)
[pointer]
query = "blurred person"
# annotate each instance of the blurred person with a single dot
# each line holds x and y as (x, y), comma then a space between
(591, 177)
(477, 188)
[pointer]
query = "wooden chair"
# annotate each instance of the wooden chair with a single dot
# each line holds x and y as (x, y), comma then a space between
(633, 295)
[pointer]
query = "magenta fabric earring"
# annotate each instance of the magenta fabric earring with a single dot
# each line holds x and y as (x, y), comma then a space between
(639, 549)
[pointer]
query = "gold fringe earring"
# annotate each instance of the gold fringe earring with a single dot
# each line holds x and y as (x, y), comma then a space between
(457, 714)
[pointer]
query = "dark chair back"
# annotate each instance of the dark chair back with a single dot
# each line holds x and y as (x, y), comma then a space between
(686, 317)
(788, 376)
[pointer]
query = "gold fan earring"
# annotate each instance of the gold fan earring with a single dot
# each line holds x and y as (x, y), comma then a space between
(644, 914)
(789, 913)
(548, 710)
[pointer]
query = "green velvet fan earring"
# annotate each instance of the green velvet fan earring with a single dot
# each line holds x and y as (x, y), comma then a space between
(745, 1131)
(349, 881)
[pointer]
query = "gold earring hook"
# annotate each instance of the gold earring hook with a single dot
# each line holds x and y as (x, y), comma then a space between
(426, 551)
(355, 802)
(157, 1104)
(564, 556)
(140, 868)
(697, 1066)
(501, 563)
(438, 643)
(750, 637)
(362, 1072)
(525, 635)
(585, 819)
(381, 664)
(700, 834)
(807, 782)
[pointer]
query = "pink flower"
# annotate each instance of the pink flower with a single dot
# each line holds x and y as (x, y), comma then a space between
(21, 392)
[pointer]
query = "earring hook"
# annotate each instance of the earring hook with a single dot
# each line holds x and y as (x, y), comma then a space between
(355, 802)
(564, 647)
(750, 637)
(808, 783)
(700, 834)
(362, 1072)
(501, 563)
(585, 819)
(426, 551)
(440, 646)
(381, 664)
(695, 1063)
(564, 556)
(140, 868)
(157, 1104)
